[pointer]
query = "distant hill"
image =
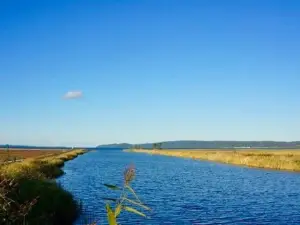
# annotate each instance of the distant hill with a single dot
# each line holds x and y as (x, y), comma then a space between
(211, 144)
(121, 145)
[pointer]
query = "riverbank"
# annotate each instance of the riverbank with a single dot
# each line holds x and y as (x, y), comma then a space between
(31, 196)
(268, 159)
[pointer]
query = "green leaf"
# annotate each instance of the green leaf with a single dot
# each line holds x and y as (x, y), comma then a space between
(132, 210)
(113, 187)
(136, 203)
(110, 199)
(110, 216)
(118, 210)
(132, 191)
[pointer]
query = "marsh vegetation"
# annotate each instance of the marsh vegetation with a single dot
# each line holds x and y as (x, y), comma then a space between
(285, 159)
(29, 195)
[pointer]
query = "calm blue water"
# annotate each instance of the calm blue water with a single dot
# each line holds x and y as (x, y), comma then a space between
(184, 191)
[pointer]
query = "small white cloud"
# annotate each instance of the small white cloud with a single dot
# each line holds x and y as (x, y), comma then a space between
(73, 94)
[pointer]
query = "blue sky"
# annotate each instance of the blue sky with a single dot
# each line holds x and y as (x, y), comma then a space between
(148, 70)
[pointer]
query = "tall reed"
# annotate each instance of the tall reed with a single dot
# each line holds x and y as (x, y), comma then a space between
(115, 206)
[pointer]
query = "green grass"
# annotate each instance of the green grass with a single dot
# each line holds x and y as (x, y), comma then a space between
(33, 179)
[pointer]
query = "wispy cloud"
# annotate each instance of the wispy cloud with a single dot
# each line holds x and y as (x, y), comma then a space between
(73, 95)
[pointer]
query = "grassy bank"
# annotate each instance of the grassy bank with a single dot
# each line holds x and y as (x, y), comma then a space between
(269, 159)
(29, 193)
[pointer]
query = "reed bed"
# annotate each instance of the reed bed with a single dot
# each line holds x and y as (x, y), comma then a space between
(31, 196)
(285, 159)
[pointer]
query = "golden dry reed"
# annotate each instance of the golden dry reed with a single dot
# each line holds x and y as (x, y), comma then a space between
(285, 159)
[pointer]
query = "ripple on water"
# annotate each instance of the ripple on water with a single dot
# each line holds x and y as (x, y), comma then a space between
(183, 191)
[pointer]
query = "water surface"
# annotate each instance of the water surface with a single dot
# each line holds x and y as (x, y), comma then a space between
(184, 191)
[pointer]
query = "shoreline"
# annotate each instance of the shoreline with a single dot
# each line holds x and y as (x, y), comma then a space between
(283, 159)
(34, 183)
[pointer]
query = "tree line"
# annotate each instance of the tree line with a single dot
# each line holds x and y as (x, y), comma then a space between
(155, 146)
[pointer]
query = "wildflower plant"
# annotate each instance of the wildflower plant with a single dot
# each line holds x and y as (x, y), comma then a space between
(124, 202)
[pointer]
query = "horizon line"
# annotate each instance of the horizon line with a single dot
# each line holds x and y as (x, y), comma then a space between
(78, 146)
